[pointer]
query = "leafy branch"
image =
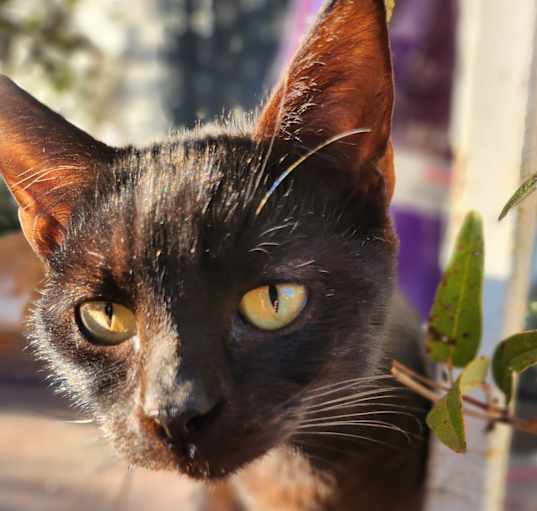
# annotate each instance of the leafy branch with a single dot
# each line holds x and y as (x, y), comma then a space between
(454, 334)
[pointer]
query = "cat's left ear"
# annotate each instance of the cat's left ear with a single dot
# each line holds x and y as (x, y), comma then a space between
(46, 162)
(340, 80)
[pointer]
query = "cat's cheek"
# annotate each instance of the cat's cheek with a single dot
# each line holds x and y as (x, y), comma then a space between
(134, 436)
(135, 439)
(95, 375)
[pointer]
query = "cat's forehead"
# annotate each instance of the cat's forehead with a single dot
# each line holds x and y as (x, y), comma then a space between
(195, 201)
(191, 170)
(184, 220)
(181, 197)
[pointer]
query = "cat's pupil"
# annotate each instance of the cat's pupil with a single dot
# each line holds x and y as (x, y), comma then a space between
(273, 296)
(109, 311)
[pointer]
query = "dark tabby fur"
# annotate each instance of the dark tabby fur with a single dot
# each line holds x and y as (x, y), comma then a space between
(176, 233)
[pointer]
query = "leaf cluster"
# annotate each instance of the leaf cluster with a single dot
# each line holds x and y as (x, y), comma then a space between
(454, 334)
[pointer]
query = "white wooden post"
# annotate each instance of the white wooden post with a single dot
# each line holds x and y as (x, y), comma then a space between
(494, 135)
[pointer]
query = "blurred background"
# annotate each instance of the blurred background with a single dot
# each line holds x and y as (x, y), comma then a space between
(130, 73)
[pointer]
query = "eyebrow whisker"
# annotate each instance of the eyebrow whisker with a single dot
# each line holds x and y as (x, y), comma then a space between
(302, 159)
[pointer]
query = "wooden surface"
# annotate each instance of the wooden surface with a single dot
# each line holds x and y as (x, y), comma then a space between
(20, 275)
(48, 464)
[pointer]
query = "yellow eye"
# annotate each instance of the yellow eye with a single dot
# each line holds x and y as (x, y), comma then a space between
(274, 306)
(107, 323)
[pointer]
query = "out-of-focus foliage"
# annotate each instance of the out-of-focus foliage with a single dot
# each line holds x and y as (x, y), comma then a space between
(8, 211)
(390, 6)
(43, 37)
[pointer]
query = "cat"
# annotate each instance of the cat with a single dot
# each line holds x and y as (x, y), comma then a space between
(223, 303)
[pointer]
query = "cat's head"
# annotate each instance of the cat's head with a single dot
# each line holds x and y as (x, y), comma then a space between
(200, 289)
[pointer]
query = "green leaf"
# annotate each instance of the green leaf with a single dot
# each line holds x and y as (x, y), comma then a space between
(474, 374)
(514, 355)
(446, 419)
(523, 192)
(455, 323)
(390, 6)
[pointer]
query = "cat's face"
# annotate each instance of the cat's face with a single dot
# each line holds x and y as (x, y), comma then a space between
(176, 240)
(190, 305)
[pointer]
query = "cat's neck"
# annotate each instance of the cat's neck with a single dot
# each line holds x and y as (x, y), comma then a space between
(287, 480)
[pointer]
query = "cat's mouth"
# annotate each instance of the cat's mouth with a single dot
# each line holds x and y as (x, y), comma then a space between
(218, 459)
(213, 456)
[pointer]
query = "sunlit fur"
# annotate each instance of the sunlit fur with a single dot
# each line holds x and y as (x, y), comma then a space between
(304, 417)
(171, 232)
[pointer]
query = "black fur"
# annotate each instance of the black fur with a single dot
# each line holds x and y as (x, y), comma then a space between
(180, 231)
(172, 233)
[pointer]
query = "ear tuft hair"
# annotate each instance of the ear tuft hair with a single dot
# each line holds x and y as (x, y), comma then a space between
(46, 163)
(340, 80)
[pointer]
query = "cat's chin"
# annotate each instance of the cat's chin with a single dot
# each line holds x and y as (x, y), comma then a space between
(204, 462)
(221, 463)
(210, 472)
(197, 468)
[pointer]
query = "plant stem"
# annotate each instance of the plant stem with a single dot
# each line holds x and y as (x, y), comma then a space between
(420, 384)
(487, 407)
(417, 387)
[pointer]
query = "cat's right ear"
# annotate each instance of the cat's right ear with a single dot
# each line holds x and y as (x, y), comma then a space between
(46, 162)
(340, 82)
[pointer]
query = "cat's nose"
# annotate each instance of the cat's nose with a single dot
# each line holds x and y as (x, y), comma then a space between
(188, 415)
(191, 420)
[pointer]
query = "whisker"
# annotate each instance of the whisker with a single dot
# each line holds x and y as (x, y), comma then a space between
(78, 421)
(364, 398)
(370, 424)
(302, 159)
(61, 417)
(307, 263)
(369, 413)
(360, 414)
(277, 228)
(394, 411)
(312, 393)
(350, 436)
(352, 404)
(357, 395)
(338, 387)
(360, 379)
(369, 402)
(275, 132)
